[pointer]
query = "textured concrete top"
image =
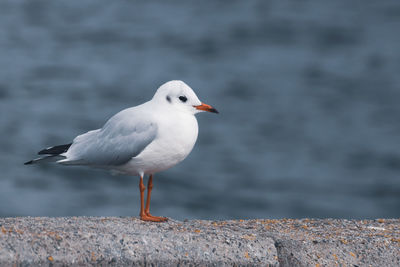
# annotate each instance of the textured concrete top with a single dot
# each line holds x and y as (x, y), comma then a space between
(127, 241)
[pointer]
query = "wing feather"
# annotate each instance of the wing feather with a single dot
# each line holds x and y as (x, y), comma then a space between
(122, 138)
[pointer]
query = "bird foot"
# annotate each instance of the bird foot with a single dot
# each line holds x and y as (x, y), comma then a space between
(150, 218)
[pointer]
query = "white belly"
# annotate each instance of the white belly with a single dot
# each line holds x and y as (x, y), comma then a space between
(174, 142)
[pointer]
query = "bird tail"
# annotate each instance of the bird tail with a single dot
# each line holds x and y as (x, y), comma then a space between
(52, 154)
(50, 158)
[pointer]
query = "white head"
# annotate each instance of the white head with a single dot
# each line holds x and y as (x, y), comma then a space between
(179, 95)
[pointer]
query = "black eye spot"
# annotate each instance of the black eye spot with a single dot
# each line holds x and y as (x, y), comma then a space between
(183, 98)
(168, 99)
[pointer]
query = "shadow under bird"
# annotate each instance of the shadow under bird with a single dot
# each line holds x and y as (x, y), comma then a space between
(141, 140)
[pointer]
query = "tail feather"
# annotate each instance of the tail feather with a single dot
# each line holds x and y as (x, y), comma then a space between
(51, 158)
(52, 154)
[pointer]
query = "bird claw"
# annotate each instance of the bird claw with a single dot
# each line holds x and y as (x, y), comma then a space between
(150, 218)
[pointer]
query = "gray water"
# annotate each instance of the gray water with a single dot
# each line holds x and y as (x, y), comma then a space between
(308, 94)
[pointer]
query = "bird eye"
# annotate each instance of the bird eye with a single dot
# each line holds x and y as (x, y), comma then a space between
(183, 98)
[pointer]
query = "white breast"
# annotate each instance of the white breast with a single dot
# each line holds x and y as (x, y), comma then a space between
(175, 139)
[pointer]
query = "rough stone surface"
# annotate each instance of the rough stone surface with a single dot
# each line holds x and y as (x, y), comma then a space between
(115, 241)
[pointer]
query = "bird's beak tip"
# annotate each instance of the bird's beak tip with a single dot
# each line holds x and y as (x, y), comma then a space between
(213, 110)
(205, 107)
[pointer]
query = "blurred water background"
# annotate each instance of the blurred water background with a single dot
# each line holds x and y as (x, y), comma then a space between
(308, 93)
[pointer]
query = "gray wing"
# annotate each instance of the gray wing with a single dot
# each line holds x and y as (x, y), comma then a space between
(122, 138)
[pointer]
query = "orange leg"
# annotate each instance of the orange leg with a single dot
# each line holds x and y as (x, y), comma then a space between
(149, 188)
(142, 188)
(145, 213)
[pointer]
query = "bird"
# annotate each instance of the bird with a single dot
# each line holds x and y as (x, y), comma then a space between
(140, 140)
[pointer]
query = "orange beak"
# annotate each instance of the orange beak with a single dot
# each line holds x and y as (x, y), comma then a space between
(205, 107)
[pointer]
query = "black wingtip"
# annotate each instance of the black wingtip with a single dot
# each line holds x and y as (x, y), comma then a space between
(55, 150)
(28, 162)
(42, 152)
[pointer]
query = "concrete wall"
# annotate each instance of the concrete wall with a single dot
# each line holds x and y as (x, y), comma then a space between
(129, 241)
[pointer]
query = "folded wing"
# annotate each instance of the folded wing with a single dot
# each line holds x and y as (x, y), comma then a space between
(123, 137)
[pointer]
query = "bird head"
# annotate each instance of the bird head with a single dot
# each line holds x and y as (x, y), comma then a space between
(180, 96)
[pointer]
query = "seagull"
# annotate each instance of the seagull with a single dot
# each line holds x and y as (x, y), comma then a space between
(141, 140)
